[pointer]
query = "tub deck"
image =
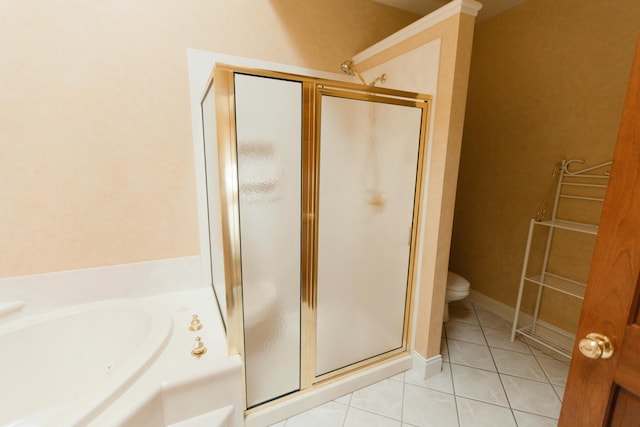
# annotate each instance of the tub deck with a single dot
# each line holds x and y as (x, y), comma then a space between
(121, 363)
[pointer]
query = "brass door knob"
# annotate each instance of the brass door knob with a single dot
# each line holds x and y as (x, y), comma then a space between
(596, 346)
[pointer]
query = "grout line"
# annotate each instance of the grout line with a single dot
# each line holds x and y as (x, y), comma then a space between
(527, 379)
(455, 399)
(468, 342)
(558, 394)
(453, 384)
(404, 387)
(475, 367)
(453, 387)
(350, 397)
(531, 353)
(539, 365)
(504, 390)
(502, 373)
(549, 378)
(533, 413)
(375, 413)
(545, 374)
(513, 415)
(543, 381)
(486, 403)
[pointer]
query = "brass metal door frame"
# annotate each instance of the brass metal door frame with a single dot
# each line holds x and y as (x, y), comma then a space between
(312, 91)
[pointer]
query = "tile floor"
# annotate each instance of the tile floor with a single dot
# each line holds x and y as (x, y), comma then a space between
(486, 381)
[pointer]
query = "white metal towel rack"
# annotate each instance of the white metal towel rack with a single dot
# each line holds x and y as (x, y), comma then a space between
(571, 185)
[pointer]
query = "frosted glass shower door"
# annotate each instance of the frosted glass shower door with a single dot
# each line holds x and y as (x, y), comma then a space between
(368, 163)
(268, 132)
(214, 222)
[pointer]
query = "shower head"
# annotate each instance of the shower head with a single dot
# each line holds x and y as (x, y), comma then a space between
(347, 67)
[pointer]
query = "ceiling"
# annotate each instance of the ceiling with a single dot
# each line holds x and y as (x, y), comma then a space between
(424, 7)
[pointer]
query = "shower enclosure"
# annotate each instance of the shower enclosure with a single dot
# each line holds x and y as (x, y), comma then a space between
(314, 188)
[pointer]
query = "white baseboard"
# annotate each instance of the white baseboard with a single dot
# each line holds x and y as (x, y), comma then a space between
(507, 312)
(427, 368)
(50, 291)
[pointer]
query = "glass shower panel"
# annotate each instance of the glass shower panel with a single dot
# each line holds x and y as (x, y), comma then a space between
(268, 132)
(368, 164)
(216, 251)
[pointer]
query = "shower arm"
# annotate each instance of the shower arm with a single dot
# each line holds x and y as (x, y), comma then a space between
(357, 74)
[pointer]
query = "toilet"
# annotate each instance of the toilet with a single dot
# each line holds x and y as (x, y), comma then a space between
(457, 288)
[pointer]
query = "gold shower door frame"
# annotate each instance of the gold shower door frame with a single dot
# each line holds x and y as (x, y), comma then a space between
(312, 91)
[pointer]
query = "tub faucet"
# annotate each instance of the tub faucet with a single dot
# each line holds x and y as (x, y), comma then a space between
(195, 325)
(198, 348)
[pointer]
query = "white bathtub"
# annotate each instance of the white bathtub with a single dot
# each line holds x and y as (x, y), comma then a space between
(119, 362)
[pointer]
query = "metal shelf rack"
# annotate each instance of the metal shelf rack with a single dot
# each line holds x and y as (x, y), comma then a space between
(585, 184)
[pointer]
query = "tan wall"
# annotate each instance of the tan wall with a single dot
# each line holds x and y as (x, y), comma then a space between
(547, 82)
(96, 157)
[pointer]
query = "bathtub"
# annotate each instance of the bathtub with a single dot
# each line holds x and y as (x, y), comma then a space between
(119, 363)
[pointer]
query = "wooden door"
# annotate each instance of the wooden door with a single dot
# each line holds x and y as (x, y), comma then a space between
(607, 391)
